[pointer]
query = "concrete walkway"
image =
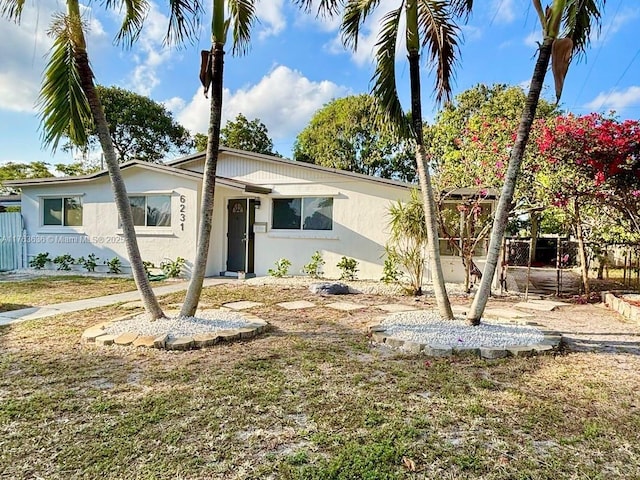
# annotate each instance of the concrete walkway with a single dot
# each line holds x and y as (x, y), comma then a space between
(33, 313)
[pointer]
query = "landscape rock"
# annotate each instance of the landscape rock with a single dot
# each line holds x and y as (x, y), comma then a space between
(329, 288)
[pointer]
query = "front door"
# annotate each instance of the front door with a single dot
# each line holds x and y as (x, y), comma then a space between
(237, 235)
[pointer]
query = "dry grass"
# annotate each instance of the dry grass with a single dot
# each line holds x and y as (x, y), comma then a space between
(311, 399)
(53, 289)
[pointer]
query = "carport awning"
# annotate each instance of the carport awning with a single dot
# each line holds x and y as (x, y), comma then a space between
(244, 186)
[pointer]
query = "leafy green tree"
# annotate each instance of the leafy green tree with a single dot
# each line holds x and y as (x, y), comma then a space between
(200, 142)
(566, 30)
(227, 16)
(69, 103)
(141, 129)
(76, 168)
(18, 171)
(251, 136)
(344, 134)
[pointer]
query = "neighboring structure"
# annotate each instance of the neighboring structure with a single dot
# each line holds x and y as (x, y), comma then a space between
(266, 208)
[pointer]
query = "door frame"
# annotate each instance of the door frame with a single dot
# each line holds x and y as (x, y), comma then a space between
(249, 252)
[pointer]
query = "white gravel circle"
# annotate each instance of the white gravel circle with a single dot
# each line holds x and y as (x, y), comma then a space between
(426, 327)
(208, 321)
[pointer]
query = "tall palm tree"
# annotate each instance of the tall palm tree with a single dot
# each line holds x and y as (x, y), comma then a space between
(238, 15)
(566, 29)
(68, 102)
(429, 25)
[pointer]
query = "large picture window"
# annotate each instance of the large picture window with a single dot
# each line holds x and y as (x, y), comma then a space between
(62, 211)
(308, 213)
(151, 210)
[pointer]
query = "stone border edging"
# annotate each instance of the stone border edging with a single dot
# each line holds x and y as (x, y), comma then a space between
(97, 334)
(550, 343)
(617, 304)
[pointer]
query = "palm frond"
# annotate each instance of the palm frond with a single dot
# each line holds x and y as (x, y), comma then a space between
(355, 14)
(384, 79)
(439, 34)
(184, 21)
(579, 19)
(461, 8)
(11, 9)
(326, 8)
(64, 108)
(135, 12)
(242, 14)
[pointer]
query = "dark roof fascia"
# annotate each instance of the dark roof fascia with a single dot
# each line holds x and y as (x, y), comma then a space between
(286, 161)
(246, 187)
(102, 173)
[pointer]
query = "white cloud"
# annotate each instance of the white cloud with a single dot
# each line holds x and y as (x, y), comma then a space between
(271, 18)
(615, 100)
(504, 11)
(284, 100)
(471, 33)
(23, 56)
(613, 26)
(533, 38)
(323, 22)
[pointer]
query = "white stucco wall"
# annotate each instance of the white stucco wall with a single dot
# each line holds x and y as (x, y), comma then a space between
(99, 233)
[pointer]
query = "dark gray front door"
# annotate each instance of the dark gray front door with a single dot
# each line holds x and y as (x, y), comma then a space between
(237, 235)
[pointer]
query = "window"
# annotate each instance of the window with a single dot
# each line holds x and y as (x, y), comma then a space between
(151, 210)
(309, 213)
(62, 211)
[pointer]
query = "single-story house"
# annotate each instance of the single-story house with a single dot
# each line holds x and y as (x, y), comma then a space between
(266, 208)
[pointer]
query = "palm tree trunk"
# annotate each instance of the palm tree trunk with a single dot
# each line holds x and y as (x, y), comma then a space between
(428, 198)
(121, 198)
(506, 198)
(208, 185)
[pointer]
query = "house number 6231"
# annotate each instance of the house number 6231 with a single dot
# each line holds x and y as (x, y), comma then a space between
(183, 209)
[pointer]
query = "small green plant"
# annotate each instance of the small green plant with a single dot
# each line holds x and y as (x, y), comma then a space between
(90, 263)
(173, 268)
(348, 267)
(115, 265)
(391, 272)
(39, 261)
(314, 267)
(282, 268)
(147, 267)
(64, 262)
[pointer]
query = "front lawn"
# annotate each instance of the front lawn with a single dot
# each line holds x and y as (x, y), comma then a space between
(310, 399)
(56, 289)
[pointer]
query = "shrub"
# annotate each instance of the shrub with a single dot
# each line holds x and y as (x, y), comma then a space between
(39, 261)
(314, 267)
(90, 263)
(115, 265)
(391, 272)
(348, 267)
(282, 268)
(147, 267)
(64, 262)
(172, 268)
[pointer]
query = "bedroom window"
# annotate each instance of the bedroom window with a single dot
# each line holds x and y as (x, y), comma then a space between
(308, 213)
(62, 211)
(151, 210)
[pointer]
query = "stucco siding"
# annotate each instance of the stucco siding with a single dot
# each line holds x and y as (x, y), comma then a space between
(100, 233)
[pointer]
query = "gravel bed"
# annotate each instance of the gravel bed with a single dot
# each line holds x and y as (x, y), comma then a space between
(426, 327)
(210, 321)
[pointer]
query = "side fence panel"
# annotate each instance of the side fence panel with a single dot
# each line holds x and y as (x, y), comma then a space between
(12, 244)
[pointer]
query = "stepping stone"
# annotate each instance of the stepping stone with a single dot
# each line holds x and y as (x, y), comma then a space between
(345, 306)
(180, 343)
(540, 305)
(296, 305)
(242, 305)
(161, 340)
(125, 338)
(229, 335)
(396, 307)
(206, 339)
(506, 313)
(105, 340)
(144, 341)
(91, 333)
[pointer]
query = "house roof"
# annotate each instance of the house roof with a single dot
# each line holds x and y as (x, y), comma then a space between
(180, 162)
(9, 200)
(227, 182)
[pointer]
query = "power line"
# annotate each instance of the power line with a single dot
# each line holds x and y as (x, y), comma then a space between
(619, 79)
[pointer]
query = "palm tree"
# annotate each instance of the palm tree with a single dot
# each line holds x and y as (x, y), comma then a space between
(241, 14)
(429, 24)
(566, 28)
(69, 102)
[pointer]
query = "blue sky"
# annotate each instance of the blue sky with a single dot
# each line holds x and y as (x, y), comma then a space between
(297, 64)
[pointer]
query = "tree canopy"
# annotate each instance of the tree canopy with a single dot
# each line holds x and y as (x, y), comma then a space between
(344, 134)
(19, 171)
(141, 129)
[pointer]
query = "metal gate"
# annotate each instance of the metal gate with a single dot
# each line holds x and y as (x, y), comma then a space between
(12, 241)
